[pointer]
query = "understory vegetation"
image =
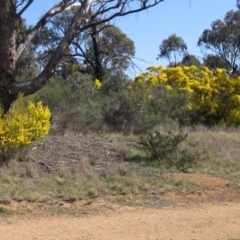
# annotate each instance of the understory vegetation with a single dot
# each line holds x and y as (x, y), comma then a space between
(82, 167)
(75, 125)
(178, 96)
(135, 135)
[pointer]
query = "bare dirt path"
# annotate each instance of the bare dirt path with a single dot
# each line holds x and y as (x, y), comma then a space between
(207, 221)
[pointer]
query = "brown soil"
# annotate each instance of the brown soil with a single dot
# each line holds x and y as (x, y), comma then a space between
(103, 219)
(211, 214)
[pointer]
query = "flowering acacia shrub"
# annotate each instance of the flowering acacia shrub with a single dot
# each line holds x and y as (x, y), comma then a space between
(97, 84)
(23, 124)
(213, 96)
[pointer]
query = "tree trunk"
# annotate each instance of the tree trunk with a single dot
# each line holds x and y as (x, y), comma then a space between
(9, 87)
(98, 65)
(7, 49)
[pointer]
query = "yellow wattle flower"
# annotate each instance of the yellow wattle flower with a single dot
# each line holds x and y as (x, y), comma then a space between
(97, 84)
(24, 124)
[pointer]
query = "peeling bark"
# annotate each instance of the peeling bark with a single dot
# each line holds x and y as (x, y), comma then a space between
(9, 53)
(7, 40)
(39, 26)
(10, 88)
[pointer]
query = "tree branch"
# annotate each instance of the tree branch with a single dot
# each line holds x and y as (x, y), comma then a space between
(120, 13)
(24, 8)
(38, 82)
(41, 23)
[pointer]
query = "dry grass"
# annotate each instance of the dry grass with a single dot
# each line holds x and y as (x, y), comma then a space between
(223, 152)
(79, 167)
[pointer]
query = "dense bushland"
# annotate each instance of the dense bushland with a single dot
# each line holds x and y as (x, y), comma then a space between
(77, 105)
(213, 97)
(179, 96)
(183, 95)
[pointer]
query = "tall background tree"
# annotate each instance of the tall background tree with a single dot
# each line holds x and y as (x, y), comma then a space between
(114, 50)
(173, 48)
(10, 15)
(222, 42)
(214, 61)
(189, 60)
(99, 50)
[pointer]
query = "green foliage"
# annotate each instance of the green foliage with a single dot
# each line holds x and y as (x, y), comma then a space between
(26, 66)
(103, 48)
(223, 39)
(180, 95)
(23, 124)
(115, 48)
(160, 146)
(172, 48)
(166, 150)
(132, 112)
(77, 106)
(114, 80)
(213, 62)
(75, 103)
(189, 60)
(5, 212)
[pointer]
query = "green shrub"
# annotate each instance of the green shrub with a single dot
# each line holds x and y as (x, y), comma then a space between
(167, 151)
(130, 111)
(77, 106)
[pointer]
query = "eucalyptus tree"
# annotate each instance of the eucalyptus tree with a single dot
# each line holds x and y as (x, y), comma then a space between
(172, 49)
(26, 66)
(189, 60)
(213, 61)
(108, 50)
(222, 41)
(10, 17)
(98, 50)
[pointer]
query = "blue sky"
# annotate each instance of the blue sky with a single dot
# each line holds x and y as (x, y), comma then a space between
(149, 28)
